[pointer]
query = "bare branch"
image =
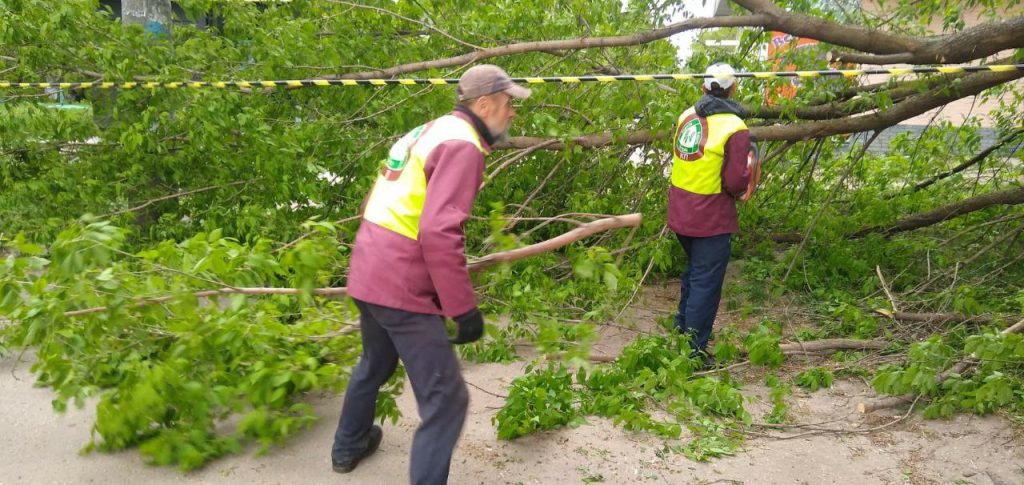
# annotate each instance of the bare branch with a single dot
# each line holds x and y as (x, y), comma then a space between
(567, 44)
(589, 229)
(407, 19)
(175, 196)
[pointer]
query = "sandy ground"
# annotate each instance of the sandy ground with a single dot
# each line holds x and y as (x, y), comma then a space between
(38, 446)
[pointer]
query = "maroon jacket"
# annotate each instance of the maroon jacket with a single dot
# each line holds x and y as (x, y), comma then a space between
(697, 215)
(428, 275)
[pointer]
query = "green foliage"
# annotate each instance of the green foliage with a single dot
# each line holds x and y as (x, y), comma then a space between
(851, 320)
(203, 189)
(763, 347)
(814, 379)
(194, 190)
(652, 373)
(778, 392)
(598, 264)
(542, 399)
(726, 348)
(712, 440)
(168, 375)
(996, 382)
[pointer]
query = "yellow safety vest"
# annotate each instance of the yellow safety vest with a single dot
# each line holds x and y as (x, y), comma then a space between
(699, 150)
(396, 201)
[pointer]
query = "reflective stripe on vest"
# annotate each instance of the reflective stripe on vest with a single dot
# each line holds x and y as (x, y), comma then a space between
(699, 150)
(396, 201)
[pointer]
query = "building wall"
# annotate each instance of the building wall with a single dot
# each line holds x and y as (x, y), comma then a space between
(960, 110)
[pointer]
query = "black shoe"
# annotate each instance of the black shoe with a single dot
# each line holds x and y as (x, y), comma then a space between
(708, 362)
(347, 464)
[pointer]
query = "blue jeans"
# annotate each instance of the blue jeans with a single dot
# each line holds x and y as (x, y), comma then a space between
(701, 288)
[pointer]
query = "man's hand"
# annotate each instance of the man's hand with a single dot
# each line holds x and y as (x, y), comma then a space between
(471, 327)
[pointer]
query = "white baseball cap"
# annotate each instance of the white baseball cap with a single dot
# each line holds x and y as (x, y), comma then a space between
(718, 70)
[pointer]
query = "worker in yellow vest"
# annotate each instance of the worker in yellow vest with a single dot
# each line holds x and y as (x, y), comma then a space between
(408, 271)
(709, 173)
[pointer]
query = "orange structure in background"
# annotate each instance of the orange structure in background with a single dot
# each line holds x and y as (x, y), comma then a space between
(782, 42)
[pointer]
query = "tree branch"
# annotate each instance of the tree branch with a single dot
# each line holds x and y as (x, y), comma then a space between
(885, 48)
(407, 19)
(959, 368)
(971, 44)
(175, 196)
(567, 44)
(935, 317)
(800, 25)
(586, 230)
(1004, 197)
(979, 157)
(969, 85)
(796, 348)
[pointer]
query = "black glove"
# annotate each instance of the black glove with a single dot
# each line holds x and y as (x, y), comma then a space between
(471, 327)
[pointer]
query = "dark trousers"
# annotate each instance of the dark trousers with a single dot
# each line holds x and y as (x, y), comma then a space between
(701, 288)
(421, 341)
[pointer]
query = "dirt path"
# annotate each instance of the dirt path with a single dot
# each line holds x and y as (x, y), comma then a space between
(39, 446)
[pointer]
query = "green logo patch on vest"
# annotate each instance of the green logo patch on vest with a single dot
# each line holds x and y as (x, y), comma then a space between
(691, 136)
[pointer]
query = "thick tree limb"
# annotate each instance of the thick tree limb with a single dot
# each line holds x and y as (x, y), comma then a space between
(1004, 197)
(925, 219)
(825, 345)
(854, 37)
(959, 368)
(880, 47)
(586, 230)
(833, 110)
(969, 85)
(971, 44)
(913, 106)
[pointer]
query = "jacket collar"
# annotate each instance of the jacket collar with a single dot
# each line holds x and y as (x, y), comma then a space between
(711, 105)
(477, 123)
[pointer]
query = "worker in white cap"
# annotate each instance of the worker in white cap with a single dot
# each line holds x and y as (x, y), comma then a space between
(709, 173)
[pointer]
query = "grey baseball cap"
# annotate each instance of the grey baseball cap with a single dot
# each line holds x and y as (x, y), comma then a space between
(488, 79)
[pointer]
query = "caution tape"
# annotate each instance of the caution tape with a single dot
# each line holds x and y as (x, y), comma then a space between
(896, 71)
